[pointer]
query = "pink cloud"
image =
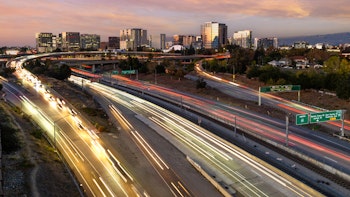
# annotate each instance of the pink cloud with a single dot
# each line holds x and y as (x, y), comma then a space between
(21, 19)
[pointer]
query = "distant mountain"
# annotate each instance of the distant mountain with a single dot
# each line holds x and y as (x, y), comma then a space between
(331, 39)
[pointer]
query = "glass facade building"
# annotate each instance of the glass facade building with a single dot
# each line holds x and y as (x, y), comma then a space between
(44, 42)
(162, 41)
(130, 39)
(214, 35)
(243, 39)
(70, 41)
(90, 41)
(265, 43)
(113, 42)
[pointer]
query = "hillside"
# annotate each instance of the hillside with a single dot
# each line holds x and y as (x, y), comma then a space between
(332, 39)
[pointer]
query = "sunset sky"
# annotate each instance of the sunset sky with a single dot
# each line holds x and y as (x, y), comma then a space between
(21, 19)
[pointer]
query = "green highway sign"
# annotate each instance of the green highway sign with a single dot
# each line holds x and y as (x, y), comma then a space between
(128, 72)
(265, 89)
(280, 88)
(325, 116)
(301, 119)
(124, 72)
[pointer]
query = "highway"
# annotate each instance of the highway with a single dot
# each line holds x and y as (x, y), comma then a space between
(248, 176)
(327, 150)
(95, 168)
(246, 93)
(331, 151)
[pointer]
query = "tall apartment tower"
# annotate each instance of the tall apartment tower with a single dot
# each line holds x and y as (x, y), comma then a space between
(162, 41)
(243, 39)
(44, 42)
(133, 38)
(214, 35)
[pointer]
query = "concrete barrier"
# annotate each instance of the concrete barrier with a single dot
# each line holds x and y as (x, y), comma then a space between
(219, 187)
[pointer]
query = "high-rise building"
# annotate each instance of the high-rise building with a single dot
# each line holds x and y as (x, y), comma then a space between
(162, 41)
(44, 42)
(150, 41)
(113, 42)
(90, 41)
(130, 39)
(189, 40)
(300, 45)
(214, 35)
(70, 41)
(103, 46)
(178, 39)
(243, 39)
(265, 43)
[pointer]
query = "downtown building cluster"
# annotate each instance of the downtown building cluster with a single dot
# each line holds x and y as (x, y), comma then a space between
(213, 35)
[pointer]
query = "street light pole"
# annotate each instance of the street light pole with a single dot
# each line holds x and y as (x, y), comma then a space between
(155, 75)
(287, 124)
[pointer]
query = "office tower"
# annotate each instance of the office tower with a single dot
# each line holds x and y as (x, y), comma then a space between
(265, 43)
(70, 41)
(243, 39)
(178, 39)
(90, 41)
(150, 41)
(44, 42)
(113, 42)
(214, 35)
(130, 39)
(162, 41)
(188, 40)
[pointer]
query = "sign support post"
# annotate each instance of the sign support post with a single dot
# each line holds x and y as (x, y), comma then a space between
(259, 96)
(287, 123)
(342, 123)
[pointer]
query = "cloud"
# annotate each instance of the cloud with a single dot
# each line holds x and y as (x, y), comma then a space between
(23, 18)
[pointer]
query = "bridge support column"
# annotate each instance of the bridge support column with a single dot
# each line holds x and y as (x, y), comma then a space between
(93, 68)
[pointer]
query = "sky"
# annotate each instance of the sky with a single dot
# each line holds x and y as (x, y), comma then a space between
(21, 19)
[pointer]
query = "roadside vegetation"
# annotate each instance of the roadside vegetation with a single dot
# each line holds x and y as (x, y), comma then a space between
(9, 139)
(333, 76)
(57, 71)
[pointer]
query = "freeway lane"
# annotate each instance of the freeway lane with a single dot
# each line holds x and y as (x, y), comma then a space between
(82, 150)
(243, 92)
(328, 150)
(207, 148)
(175, 185)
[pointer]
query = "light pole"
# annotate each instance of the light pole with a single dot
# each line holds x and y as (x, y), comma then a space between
(342, 122)
(287, 129)
(155, 75)
(235, 129)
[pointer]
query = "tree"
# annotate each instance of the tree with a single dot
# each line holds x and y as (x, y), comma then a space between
(332, 64)
(343, 86)
(253, 71)
(201, 83)
(240, 59)
(317, 56)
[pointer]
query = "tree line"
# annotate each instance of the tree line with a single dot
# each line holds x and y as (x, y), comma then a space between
(333, 76)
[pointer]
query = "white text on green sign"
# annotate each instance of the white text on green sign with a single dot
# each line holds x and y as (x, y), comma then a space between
(325, 116)
(301, 119)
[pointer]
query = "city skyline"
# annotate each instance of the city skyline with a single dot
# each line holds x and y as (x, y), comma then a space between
(20, 20)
